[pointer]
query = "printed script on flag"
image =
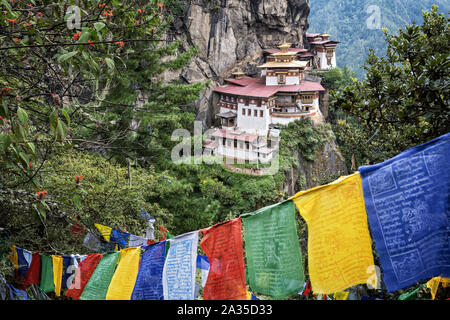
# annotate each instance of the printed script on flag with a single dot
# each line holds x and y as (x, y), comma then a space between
(180, 267)
(408, 207)
(339, 244)
(274, 260)
(222, 245)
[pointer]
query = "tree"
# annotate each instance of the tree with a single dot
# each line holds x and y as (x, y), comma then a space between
(66, 89)
(405, 99)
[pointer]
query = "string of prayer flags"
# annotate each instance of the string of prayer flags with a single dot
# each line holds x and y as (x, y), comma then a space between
(124, 278)
(408, 210)
(98, 283)
(179, 267)
(82, 275)
(57, 264)
(33, 273)
(339, 244)
(46, 282)
(149, 280)
(222, 245)
(274, 260)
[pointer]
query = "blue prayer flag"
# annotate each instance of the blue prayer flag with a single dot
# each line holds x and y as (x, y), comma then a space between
(148, 284)
(119, 237)
(202, 262)
(408, 207)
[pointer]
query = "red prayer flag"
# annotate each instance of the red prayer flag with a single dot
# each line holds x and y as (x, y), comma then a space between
(307, 289)
(222, 245)
(82, 275)
(32, 276)
(164, 231)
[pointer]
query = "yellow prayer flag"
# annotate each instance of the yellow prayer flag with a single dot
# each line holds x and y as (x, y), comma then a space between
(339, 244)
(104, 231)
(433, 285)
(122, 283)
(13, 257)
(341, 295)
(445, 282)
(57, 262)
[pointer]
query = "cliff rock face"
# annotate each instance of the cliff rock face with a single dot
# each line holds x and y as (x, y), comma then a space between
(231, 34)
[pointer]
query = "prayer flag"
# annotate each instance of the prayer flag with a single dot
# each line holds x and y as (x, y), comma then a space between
(137, 241)
(32, 276)
(179, 267)
(222, 245)
(203, 265)
(82, 275)
(22, 262)
(274, 260)
(104, 231)
(339, 244)
(123, 280)
(57, 263)
(407, 203)
(149, 280)
(98, 283)
(119, 237)
(341, 295)
(46, 283)
(13, 257)
(433, 285)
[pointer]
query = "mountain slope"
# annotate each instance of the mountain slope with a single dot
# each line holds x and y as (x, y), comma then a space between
(354, 24)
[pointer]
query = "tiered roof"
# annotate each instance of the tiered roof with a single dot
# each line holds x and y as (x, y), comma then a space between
(256, 87)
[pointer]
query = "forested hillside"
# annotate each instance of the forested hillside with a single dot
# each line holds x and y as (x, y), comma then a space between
(354, 23)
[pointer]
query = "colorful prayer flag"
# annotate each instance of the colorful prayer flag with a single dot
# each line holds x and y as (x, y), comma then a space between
(274, 260)
(179, 267)
(46, 283)
(82, 274)
(57, 263)
(149, 280)
(203, 265)
(407, 203)
(341, 295)
(33, 273)
(137, 241)
(123, 280)
(339, 244)
(119, 237)
(98, 283)
(222, 245)
(104, 231)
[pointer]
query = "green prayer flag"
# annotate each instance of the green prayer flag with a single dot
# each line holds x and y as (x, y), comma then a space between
(46, 282)
(98, 283)
(274, 259)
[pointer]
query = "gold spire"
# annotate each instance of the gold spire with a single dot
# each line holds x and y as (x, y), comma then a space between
(284, 47)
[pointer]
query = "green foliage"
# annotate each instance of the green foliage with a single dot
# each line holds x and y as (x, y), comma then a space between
(346, 21)
(404, 101)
